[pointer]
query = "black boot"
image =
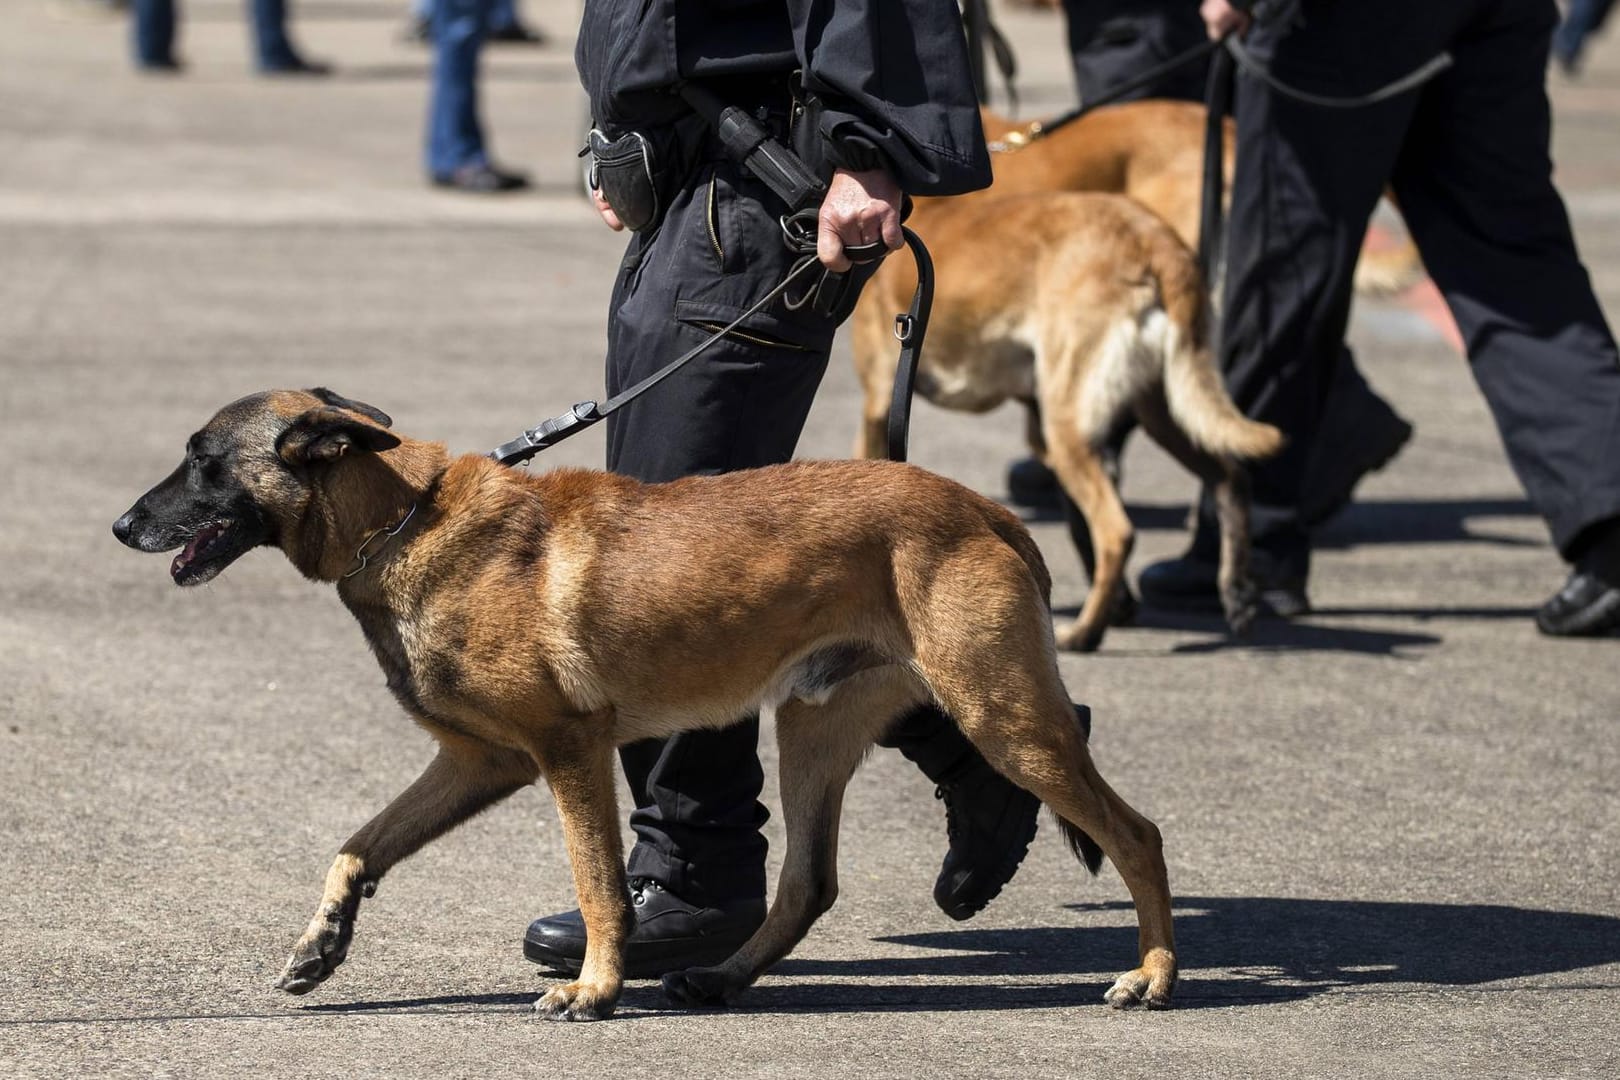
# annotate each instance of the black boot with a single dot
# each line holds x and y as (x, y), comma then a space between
(990, 820)
(671, 934)
(1189, 583)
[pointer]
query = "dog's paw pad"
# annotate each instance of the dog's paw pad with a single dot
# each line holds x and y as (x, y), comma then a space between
(698, 987)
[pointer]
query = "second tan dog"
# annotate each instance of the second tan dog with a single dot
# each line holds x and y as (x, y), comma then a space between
(532, 624)
(1087, 308)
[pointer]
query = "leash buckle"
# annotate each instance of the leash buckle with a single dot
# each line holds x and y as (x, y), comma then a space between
(904, 326)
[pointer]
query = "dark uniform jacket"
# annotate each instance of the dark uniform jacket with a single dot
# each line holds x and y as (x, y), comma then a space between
(892, 75)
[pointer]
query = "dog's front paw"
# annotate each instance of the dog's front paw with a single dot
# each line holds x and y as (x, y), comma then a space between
(700, 987)
(323, 947)
(1139, 988)
(1076, 637)
(1241, 605)
(576, 1001)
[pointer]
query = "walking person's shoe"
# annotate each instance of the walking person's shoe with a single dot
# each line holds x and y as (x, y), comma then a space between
(671, 934)
(1587, 606)
(481, 179)
(516, 32)
(990, 822)
(296, 67)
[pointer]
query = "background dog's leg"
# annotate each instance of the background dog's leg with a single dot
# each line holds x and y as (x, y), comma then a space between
(1085, 478)
(820, 746)
(580, 766)
(1239, 597)
(465, 777)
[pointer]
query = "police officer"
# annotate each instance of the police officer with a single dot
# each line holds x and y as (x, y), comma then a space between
(1467, 156)
(889, 114)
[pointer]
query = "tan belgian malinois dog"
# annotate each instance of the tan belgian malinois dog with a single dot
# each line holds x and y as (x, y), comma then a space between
(1088, 309)
(533, 623)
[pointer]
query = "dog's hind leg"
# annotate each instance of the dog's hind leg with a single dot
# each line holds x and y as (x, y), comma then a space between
(820, 746)
(1240, 599)
(991, 669)
(579, 764)
(465, 777)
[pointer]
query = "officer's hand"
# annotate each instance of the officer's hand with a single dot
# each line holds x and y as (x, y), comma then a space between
(860, 208)
(1221, 18)
(606, 211)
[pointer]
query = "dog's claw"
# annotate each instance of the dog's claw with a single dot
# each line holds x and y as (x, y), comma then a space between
(318, 953)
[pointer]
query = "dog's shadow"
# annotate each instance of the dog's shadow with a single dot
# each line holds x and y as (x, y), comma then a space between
(1234, 951)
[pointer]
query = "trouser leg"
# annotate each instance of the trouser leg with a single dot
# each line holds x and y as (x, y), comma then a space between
(153, 29)
(1305, 184)
(742, 404)
(1475, 183)
(455, 138)
(1113, 41)
(271, 48)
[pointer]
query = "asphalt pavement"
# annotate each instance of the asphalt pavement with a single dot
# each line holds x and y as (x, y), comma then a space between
(1393, 827)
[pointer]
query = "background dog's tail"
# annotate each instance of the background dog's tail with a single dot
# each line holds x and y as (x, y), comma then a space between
(1193, 386)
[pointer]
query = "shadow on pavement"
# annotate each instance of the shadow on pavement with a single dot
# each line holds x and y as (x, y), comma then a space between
(1244, 949)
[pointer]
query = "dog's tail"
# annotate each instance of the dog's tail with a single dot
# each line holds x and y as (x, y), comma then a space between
(1084, 847)
(1193, 387)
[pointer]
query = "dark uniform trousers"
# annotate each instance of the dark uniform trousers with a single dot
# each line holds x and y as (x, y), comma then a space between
(1114, 41)
(1468, 159)
(742, 404)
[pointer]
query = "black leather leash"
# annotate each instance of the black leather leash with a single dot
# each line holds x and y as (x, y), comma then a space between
(1232, 47)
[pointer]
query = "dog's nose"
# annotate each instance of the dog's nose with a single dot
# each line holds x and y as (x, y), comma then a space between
(124, 526)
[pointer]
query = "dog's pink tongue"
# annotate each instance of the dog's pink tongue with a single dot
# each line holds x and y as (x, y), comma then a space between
(182, 560)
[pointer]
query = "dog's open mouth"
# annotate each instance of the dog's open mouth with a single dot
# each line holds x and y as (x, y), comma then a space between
(208, 552)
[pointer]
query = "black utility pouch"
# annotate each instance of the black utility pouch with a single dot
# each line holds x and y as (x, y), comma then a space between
(624, 170)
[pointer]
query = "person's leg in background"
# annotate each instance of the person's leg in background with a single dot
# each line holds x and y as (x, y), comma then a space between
(153, 31)
(1583, 19)
(1475, 182)
(273, 50)
(456, 154)
(507, 27)
(1306, 182)
(1113, 41)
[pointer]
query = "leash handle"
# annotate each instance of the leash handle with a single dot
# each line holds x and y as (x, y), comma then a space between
(910, 328)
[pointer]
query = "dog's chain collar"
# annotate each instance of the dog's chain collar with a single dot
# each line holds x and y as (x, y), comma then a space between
(363, 557)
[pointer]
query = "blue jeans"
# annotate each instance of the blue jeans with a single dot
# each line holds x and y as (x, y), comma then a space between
(455, 138)
(156, 21)
(1584, 18)
(502, 13)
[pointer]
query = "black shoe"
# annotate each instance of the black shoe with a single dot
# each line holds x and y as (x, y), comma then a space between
(297, 67)
(516, 33)
(481, 180)
(1189, 583)
(1358, 439)
(1587, 606)
(1032, 485)
(670, 934)
(167, 66)
(990, 822)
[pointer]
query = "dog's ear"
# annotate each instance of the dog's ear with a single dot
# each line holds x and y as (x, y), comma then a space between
(326, 434)
(352, 405)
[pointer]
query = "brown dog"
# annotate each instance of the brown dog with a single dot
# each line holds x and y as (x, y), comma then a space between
(1088, 309)
(532, 624)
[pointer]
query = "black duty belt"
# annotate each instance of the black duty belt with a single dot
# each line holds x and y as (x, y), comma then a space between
(753, 146)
